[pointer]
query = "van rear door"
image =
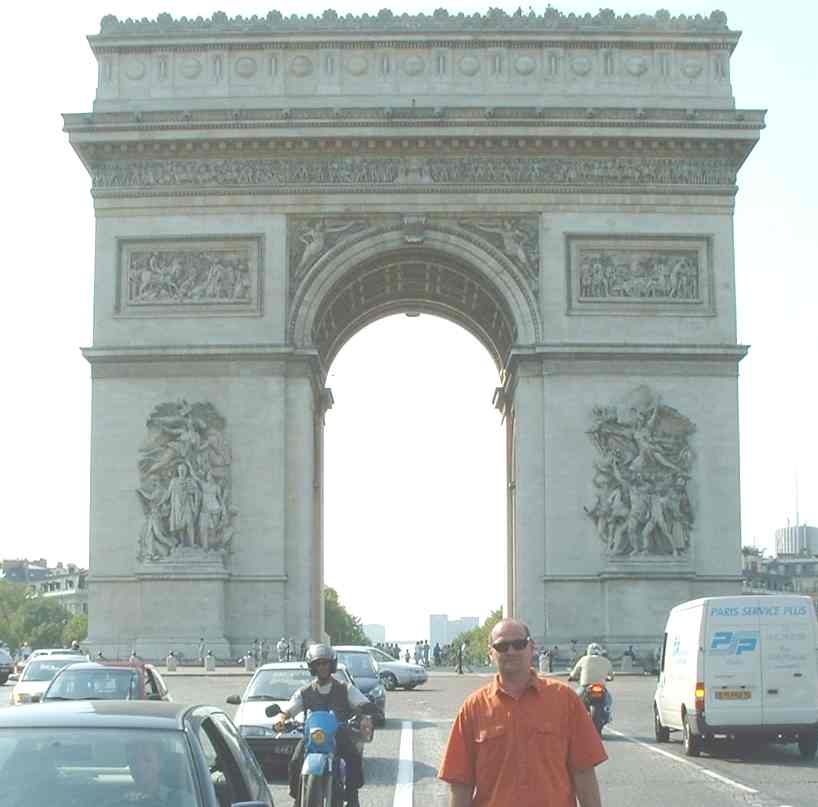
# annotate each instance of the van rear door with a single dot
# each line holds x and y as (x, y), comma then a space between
(732, 662)
(790, 678)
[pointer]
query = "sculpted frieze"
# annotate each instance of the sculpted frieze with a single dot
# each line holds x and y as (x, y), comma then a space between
(441, 20)
(441, 173)
(641, 477)
(185, 484)
(517, 237)
(647, 275)
(189, 275)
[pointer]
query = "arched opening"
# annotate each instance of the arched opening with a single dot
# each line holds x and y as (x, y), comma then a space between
(415, 502)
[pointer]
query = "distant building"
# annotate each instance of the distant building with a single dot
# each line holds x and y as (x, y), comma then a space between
(66, 583)
(798, 540)
(787, 575)
(442, 629)
(376, 633)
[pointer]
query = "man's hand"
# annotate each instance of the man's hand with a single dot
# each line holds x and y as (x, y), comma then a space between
(587, 788)
(280, 720)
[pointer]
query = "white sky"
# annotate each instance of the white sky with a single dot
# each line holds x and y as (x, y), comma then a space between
(415, 468)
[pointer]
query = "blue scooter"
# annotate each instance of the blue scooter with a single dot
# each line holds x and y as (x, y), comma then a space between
(323, 774)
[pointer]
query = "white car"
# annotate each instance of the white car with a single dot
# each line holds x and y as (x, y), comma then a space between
(37, 675)
(394, 673)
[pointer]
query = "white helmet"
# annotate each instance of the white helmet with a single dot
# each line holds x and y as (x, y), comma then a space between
(595, 649)
(319, 652)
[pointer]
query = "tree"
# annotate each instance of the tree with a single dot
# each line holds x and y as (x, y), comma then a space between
(477, 639)
(41, 621)
(342, 627)
(12, 597)
(75, 630)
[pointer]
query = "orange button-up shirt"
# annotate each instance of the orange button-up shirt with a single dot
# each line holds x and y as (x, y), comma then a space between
(522, 752)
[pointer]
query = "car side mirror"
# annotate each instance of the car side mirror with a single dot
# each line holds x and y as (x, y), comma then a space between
(271, 711)
(234, 700)
(14, 677)
(36, 698)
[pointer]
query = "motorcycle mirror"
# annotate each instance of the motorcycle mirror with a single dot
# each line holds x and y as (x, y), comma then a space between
(272, 710)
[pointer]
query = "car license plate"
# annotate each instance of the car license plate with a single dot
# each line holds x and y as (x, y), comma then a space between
(733, 694)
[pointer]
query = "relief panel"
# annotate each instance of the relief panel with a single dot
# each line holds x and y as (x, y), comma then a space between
(189, 277)
(639, 275)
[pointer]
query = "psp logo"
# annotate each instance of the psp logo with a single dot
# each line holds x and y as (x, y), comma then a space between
(729, 643)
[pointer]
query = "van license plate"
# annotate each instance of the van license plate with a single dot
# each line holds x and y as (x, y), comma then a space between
(733, 694)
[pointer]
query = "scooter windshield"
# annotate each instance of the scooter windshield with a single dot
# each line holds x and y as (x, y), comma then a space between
(319, 730)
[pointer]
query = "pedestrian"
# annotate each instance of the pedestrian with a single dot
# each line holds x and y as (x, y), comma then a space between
(436, 654)
(543, 661)
(521, 722)
(282, 648)
(407, 656)
(460, 651)
(202, 649)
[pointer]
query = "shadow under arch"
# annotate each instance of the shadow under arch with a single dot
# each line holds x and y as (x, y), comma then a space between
(459, 278)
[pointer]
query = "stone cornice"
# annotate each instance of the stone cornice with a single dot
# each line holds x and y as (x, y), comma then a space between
(119, 354)
(386, 21)
(613, 351)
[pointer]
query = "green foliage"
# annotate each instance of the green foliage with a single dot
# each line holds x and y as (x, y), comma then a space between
(75, 630)
(36, 620)
(341, 626)
(477, 640)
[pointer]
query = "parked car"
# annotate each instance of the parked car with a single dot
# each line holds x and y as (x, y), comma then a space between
(360, 665)
(6, 665)
(107, 680)
(48, 651)
(394, 673)
(126, 752)
(36, 677)
(273, 683)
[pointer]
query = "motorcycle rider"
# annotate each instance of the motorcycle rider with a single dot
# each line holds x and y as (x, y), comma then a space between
(325, 693)
(594, 667)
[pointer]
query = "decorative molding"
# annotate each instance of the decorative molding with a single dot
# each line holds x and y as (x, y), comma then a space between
(640, 275)
(190, 276)
(185, 487)
(642, 507)
(362, 174)
(552, 20)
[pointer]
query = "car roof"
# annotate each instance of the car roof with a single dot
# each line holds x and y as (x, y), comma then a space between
(56, 657)
(100, 714)
(103, 665)
(284, 665)
(355, 648)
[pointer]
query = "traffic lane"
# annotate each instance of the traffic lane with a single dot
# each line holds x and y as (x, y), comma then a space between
(777, 772)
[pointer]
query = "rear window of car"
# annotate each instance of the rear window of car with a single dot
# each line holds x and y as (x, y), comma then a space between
(94, 767)
(276, 685)
(44, 669)
(109, 684)
(5, 658)
(359, 665)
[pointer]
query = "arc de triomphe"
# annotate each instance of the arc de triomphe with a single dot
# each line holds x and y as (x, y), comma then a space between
(560, 186)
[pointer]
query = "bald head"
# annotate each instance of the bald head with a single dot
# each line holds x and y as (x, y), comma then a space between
(509, 629)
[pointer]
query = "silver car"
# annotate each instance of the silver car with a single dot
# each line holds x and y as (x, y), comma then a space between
(394, 673)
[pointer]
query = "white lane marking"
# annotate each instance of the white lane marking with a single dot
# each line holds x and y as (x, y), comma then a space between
(406, 768)
(683, 761)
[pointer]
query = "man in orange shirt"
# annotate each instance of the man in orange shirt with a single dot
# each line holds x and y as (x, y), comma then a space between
(522, 740)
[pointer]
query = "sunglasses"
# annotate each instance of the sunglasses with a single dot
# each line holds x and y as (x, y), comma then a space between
(518, 644)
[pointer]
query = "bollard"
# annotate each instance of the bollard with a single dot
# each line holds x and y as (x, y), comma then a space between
(210, 662)
(170, 662)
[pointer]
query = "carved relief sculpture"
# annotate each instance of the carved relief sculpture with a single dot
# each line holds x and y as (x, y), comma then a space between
(639, 275)
(518, 238)
(642, 506)
(212, 275)
(185, 489)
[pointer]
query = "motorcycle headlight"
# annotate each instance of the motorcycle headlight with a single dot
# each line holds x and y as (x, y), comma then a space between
(318, 736)
(376, 692)
(252, 731)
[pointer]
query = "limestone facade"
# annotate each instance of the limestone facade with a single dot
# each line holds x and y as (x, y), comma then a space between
(560, 186)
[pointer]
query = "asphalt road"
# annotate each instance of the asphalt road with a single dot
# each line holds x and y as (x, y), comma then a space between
(638, 771)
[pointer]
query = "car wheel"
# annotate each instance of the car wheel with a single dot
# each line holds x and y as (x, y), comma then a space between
(390, 683)
(808, 745)
(662, 733)
(690, 741)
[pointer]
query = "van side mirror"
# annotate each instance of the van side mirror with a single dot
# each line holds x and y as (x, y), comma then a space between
(234, 700)
(271, 711)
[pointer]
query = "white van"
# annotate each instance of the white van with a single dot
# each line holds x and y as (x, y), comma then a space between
(737, 667)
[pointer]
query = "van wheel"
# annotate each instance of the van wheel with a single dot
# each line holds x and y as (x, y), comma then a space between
(807, 745)
(662, 733)
(690, 741)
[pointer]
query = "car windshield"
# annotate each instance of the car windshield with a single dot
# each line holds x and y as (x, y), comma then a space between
(360, 665)
(381, 656)
(108, 684)
(276, 685)
(44, 668)
(94, 767)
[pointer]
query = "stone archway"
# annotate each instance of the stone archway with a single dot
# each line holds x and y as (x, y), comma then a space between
(561, 186)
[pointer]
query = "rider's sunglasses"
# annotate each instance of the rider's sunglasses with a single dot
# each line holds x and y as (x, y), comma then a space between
(518, 644)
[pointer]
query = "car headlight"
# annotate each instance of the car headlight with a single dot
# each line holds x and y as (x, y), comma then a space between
(255, 731)
(376, 692)
(22, 697)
